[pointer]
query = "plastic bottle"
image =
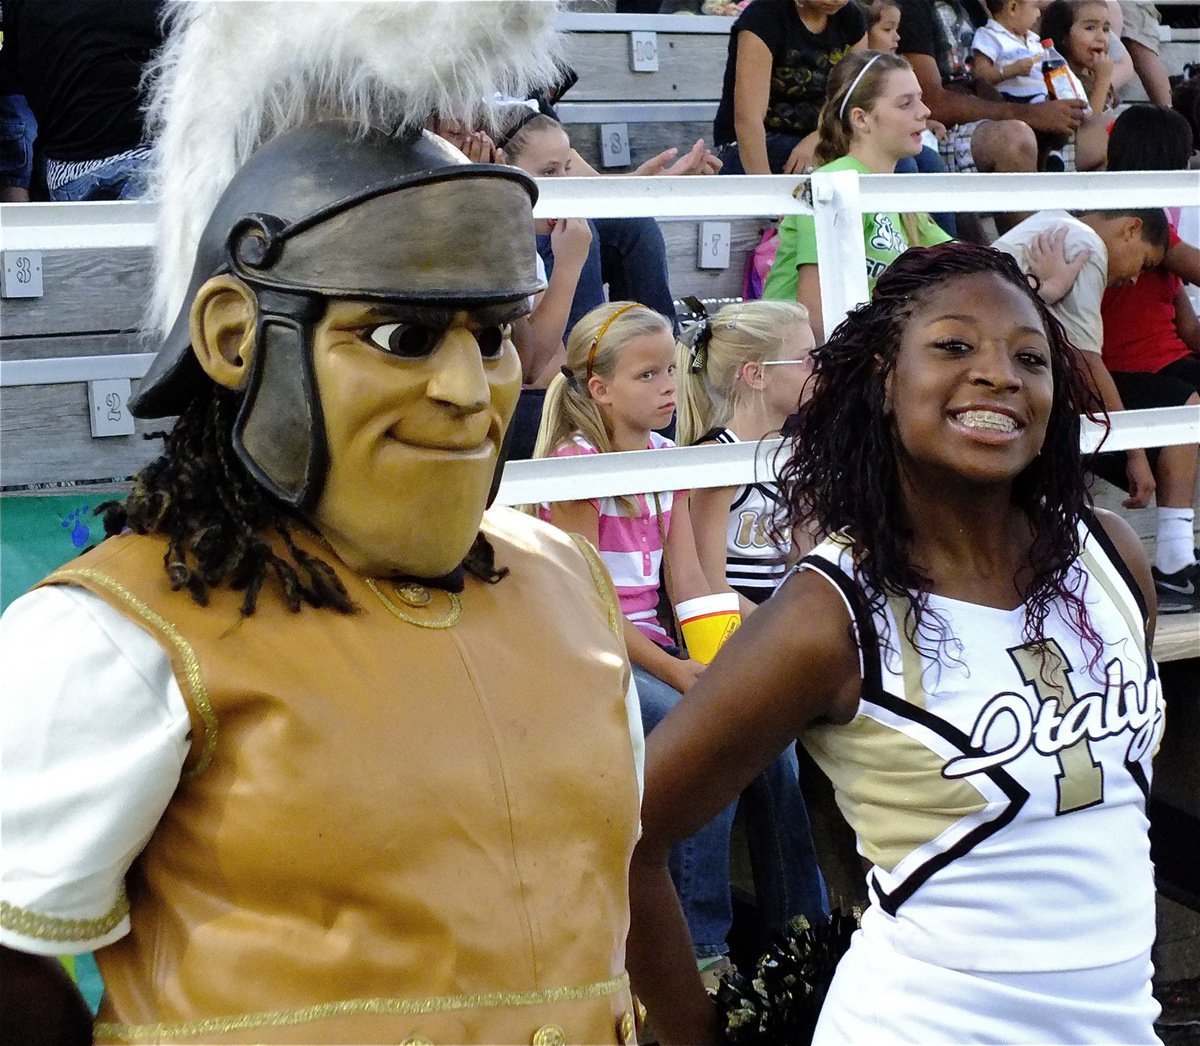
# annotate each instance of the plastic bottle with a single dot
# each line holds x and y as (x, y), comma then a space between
(1061, 82)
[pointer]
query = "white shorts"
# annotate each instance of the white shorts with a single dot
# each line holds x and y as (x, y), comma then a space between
(880, 996)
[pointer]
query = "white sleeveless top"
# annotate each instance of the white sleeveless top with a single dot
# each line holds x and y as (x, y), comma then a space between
(999, 788)
(754, 564)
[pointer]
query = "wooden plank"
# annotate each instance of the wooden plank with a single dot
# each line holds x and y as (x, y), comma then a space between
(682, 238)
(690, 68)
(45, 436)
(64, 345)
(1177, 637)
(645, 140)
(85, 290)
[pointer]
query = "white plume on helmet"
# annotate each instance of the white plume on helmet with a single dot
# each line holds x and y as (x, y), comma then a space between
(232, 76)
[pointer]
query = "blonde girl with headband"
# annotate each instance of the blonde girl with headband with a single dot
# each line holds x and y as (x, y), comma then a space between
(617, 388)
(873, 117)
(741, 373)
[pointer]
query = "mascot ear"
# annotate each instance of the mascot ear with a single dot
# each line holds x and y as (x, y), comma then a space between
(222, 321)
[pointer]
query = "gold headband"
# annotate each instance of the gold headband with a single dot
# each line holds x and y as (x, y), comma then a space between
(591, 356)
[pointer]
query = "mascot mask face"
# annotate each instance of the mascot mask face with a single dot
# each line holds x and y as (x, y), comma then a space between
(357, 292)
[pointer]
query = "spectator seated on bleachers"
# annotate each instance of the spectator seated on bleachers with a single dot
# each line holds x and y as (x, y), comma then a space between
(1139, 32)
(883, 34)
(781, 54)
(1119, 245)
(986, 132)
(1152, 349)
(79, 64)
(873, 118)
(1080, 30)
(1006, 52)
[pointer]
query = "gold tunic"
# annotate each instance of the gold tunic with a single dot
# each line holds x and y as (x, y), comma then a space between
(385, 832)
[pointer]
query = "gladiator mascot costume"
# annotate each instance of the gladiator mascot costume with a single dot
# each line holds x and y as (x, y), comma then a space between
(324, 749)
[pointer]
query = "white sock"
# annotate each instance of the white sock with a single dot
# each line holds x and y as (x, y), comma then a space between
(1175, 544)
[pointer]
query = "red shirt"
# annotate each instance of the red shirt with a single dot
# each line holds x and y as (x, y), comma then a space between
(1139, 322)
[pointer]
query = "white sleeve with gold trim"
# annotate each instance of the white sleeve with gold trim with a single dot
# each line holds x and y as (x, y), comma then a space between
(93, 736)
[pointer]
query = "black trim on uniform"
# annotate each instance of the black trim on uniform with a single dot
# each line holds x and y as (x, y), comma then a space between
(873, 692)
(864, 621)
(1017, 795)
(1097, 531)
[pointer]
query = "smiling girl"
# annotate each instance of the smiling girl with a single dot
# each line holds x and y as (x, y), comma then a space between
(874, 117)
(1012, 892)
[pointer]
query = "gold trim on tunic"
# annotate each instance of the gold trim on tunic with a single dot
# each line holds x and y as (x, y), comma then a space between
(602, 581)
(359, 1007)
(192, 680)
(51, 928)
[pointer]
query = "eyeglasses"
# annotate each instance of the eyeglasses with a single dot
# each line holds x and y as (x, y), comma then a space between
(803, 361)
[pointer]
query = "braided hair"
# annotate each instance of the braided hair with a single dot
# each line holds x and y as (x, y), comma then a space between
(216, 519)
(842, 469)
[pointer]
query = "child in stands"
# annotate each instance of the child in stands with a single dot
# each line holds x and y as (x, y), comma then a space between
(1008, 53)
(883, 24)
(1119, 246)
(883, 34)
(873, 117)
(741, 373)
(617, 388)
(628, 254)
(1152, 349)
(1079, 29)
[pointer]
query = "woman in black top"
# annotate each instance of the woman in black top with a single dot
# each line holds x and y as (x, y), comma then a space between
(780, 54)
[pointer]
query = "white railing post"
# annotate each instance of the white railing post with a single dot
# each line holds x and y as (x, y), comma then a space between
(838, 215)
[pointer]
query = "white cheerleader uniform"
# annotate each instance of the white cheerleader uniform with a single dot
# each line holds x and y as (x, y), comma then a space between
(755, 565)
(998, 788)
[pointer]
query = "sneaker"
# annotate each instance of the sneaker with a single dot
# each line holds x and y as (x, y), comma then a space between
(713, 969)
(1178, 593)
(1055, 161)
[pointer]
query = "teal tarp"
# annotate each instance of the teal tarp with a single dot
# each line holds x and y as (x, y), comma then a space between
(38, 534)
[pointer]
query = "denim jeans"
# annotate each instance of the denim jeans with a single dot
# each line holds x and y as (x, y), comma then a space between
(787, 878)
(121, 178)
(699, 864)
(779, 149)
(630, 255)
(929, 161)
(18, 129)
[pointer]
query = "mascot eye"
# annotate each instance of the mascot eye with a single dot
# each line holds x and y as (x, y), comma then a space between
(491, 340)
(407, 340)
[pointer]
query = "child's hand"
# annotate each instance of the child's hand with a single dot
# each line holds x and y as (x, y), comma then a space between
(686, 673)
(478, 147)
(1021, 67)
(570, 239)
(938, 128)
(1103, 66)
(1045, 258)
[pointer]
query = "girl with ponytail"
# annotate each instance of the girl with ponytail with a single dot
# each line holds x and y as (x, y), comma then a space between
(872, 118)
(618, 387)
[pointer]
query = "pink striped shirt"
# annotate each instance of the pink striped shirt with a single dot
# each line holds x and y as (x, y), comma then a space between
(630, 546)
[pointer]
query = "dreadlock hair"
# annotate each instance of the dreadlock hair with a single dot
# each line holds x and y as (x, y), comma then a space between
(216, 518)
(842, 467)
